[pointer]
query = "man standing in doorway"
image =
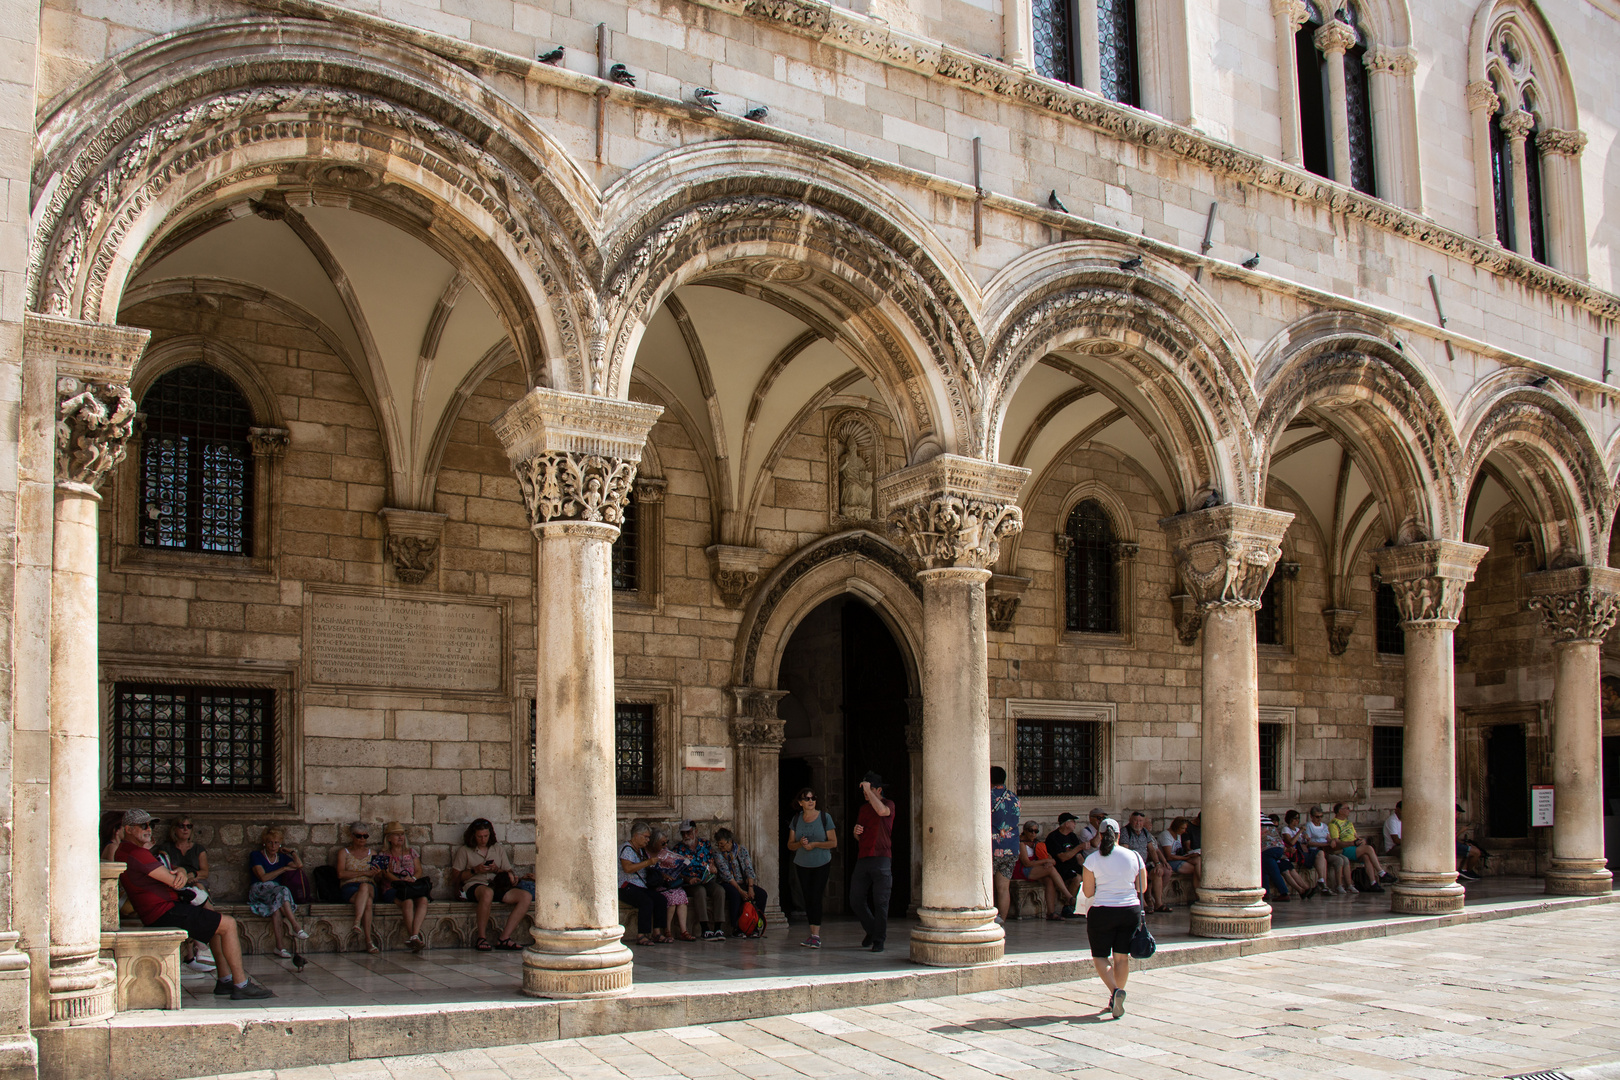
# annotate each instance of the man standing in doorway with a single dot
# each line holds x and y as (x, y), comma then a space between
(872, 880)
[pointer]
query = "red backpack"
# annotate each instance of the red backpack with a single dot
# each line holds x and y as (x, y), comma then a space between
(750, 919)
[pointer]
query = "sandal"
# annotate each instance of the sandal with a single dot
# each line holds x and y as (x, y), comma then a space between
(482, 944)
(508, 945)
(645, 940)
(684, 936)
(1162, 908)
(663, 939)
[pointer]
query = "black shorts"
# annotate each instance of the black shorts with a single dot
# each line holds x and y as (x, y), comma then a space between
(199, 923)
(1109, 929)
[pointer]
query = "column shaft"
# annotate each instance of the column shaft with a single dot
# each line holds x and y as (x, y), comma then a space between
(1578, 864)
(1339, 116)
(1090, 47)
(1286, 16)
(757, 734)
(1517, 125)
(1428, 883)
(1482, 106)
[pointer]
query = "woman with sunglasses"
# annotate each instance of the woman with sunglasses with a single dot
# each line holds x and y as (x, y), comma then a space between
(357, 877)
(812, 837)
(268, 896)
(181, 853)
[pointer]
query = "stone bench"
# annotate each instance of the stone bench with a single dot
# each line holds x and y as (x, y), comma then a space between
(449, 925)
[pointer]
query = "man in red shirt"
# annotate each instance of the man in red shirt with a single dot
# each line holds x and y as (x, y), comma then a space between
(153, 889)
(872, 881)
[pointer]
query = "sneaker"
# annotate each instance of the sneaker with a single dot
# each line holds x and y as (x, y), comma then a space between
(1355, 890)
(303, 935)
(251, 990)
(811, 942)
(199, 967)
(1343, 891)
(999, 921)
(1387, 878)
(1116, 1005)
(1468, 875)
(284, 954)
(223, 987)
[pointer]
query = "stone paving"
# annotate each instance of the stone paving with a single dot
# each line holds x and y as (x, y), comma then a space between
(1490, 999)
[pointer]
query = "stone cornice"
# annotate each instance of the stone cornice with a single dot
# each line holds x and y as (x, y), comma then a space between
(91, 352)
(1581, 603)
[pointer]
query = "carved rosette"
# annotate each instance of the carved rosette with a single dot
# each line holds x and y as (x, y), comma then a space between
(413, 540)
(1335, 37)
(1341, 622)
(952, 512)
(575, 456)
(1429, 579)
(1581, 603)
(735, 571)
(1226, 553)
(94, 421)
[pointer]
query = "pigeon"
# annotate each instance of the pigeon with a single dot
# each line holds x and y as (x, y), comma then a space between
(1131, 263)
(621, 75)
(1056, 203)
(1250, 264)
(298, 961)
(757, 115)
(706, 99)
(554, 57)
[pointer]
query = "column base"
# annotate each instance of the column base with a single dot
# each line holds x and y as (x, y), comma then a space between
(1426, 894)
(577, 964)
(84, 990)
(957, 938)
(1579, 877)
(1230, 913)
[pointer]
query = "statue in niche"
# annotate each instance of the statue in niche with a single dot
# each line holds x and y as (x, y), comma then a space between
(854, 481)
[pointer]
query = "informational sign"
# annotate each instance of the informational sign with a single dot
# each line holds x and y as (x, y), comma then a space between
(706, 758)
(1541, 805)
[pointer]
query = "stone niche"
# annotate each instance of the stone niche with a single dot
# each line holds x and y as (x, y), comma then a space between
(854, 462)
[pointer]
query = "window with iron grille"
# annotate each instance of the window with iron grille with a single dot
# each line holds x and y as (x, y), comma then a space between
(1387, 621)
(196, 464)
(1315, 126)
(1059, 757)
(1116, 50)
(627, 551)
(1267, 624)
(635, 726)
(204, 739)
(1502, 179)
(1532, 186)
(1358, 109)
(1055, 50)
(1271, 748)
(1388, 750)
(1090, 571)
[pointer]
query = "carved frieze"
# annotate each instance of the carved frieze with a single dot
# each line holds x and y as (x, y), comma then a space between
(1429, 578)
(1226, 553)
(94, 421)
(953, 511)
(1581, 603)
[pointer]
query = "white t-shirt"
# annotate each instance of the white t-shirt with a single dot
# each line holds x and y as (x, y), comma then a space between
(1392, 831)
(1170, 842)
(1316, 833)
(1116, 875)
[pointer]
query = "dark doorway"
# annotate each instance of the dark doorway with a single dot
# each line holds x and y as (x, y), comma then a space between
(845, 714)
(1507, 782)
(1611, 799)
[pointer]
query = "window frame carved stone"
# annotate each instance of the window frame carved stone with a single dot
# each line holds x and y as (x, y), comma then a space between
(1045, 808)
(648, 595)
(1288, 773)
(663, 696)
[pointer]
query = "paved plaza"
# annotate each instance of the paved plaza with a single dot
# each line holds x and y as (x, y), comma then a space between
(1489, 999)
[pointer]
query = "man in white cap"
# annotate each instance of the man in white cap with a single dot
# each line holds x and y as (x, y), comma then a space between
(702, 885)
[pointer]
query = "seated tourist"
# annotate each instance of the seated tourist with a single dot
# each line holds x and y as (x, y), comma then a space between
(667, 868)
(1089, 837)
(702, 884)
(1034, 864)
(154, 889)
(652, 910)
(1332, 868)
(404, 884)
(357, 881)
(736, 869)
(268, 897)
(481, 871)
(1273, 855)
(1342, 831)
(183, 853)
(1181, 857)
(1470, 856)
(1063, 847)
(1138, 836)
(1299, 855)
(112, 834)
(1392, 831)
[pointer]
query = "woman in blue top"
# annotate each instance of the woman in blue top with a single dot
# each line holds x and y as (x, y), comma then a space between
(812, 836)
(268, 897)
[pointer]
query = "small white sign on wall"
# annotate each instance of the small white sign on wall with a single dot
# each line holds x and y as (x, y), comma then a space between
(1541, 805)
(706, 758)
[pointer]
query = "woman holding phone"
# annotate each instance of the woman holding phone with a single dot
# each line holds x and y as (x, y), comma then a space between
(482, 872)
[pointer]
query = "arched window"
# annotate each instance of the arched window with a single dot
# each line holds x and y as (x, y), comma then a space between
(1335, 138)
(196, 486)
(1091, 577)
(1063, 36)
(1118, 79)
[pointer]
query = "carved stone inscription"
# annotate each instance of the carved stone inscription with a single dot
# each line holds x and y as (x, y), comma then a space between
(409, 643)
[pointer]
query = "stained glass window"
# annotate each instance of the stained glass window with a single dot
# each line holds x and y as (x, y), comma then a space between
(627, 551)
(1116, 51)
(196, 464)
(1090, 573)
(193, 738)
(1059, 757)
(1054, 40)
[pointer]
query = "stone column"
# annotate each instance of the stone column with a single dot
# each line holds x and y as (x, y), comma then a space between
(575, 457)
(1287, 16)
(914, 751)
(95, 416)
(1334, 38)
(1089, 40)
(1516, 126)
(1482, 105)
(950, 515)
(1560, 196)
(757, 817)
(1581, 605)
(1386, 70)
(1018, 34)
(1428, 579)
(1226, 555)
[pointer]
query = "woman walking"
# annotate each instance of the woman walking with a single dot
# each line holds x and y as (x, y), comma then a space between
(1114, 878)
(812, 837)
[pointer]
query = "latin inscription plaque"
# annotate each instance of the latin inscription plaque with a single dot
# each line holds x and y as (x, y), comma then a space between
(392, 642)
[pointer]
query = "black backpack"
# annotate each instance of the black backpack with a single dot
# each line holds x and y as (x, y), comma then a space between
(327, 890)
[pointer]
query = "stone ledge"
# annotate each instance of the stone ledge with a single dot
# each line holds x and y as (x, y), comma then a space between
(143, 1046)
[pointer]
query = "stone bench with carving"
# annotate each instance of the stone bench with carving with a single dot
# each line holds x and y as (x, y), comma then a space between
(147, 959)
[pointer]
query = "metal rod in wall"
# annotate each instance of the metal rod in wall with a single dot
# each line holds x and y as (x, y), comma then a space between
(1208, 242)
(601, 91)
(1434, 291)
(1605, 359)
(978, 196)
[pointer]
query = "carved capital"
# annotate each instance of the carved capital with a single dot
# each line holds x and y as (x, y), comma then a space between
(1341, 622)
(953, 512)
(1429, 578)
(1482, 96)
(575, 455)
(1565, 143)
(1580, 603)
(1226, 553)
(269, 442)
(94, 421)
(1125, 549)
(735, 571)
(650, 490)
(1517, 124)
(1002, 597)
(412, 541)
(1397, 62)
(1294, 11)
(1335, 37)
(756, 724)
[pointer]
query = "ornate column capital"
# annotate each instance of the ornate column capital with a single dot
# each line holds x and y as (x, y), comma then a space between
(1226, 553)
(94, 421)
(1397, 62)
(269, 442)
(1335, 37)
(1482, 97)
(1429, 578)
(951, 511)
(575, 455)
(1581, 603)
(1517, 124)
(756, 724)
(1565, 143)
(413, 539)
(1294, 11)
(735, 570)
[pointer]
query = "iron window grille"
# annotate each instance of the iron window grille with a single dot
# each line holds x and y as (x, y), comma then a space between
(1387, 621)
(635, 744)
(203, 739)
(1358, 110)
(1055, 50)
(1118, 79)
(627, 550)
(1271, 747)
(1059, 757)
(1091, 577)
(1267, 625)
(1502, 178)
(196, 464)
(1388, 755)
(1532, 186)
